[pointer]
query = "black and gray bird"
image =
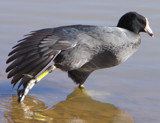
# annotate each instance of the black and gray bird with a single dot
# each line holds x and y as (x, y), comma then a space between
(76, 49)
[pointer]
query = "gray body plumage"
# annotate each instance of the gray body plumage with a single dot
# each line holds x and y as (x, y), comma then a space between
(92, 45)
(96, 48)
(78, 49)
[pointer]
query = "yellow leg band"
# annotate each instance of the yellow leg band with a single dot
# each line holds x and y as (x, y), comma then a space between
(48, 70)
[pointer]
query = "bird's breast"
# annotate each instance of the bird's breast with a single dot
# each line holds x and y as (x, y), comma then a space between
(125, 51)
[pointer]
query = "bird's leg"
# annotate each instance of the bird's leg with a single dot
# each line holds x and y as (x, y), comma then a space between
(83, 90)
(48, 70)
(30, 81)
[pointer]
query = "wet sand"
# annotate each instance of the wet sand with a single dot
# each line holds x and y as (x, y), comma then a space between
(126, 93)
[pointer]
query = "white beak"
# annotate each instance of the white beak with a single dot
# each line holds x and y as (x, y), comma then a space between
(147, 29)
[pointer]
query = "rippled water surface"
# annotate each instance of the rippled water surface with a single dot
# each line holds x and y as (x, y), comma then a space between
(124, 94)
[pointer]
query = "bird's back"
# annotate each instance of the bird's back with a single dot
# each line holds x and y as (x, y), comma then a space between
(97, 47)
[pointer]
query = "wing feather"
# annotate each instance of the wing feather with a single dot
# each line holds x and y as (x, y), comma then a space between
(33, 53)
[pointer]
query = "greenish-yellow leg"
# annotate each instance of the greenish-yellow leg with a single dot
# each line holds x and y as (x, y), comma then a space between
(48, 70)
(32, 81)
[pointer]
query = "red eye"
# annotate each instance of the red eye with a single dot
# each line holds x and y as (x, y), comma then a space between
(141, 22)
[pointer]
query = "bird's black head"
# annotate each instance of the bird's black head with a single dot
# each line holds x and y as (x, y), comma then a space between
(135, 23)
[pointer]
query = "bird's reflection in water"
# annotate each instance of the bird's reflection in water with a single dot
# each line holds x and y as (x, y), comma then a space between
(79, 107)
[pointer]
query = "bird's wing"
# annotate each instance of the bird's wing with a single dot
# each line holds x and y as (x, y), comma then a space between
(35, 52)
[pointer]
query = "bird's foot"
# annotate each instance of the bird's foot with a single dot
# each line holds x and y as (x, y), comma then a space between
(81, 86)
(23, 92)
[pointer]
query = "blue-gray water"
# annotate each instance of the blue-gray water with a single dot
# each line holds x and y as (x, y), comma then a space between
(126, 93)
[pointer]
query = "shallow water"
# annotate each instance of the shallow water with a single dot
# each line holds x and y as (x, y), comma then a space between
(126, 93)
(70, 110)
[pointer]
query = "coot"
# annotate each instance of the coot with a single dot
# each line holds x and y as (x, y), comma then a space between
(76, 49)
